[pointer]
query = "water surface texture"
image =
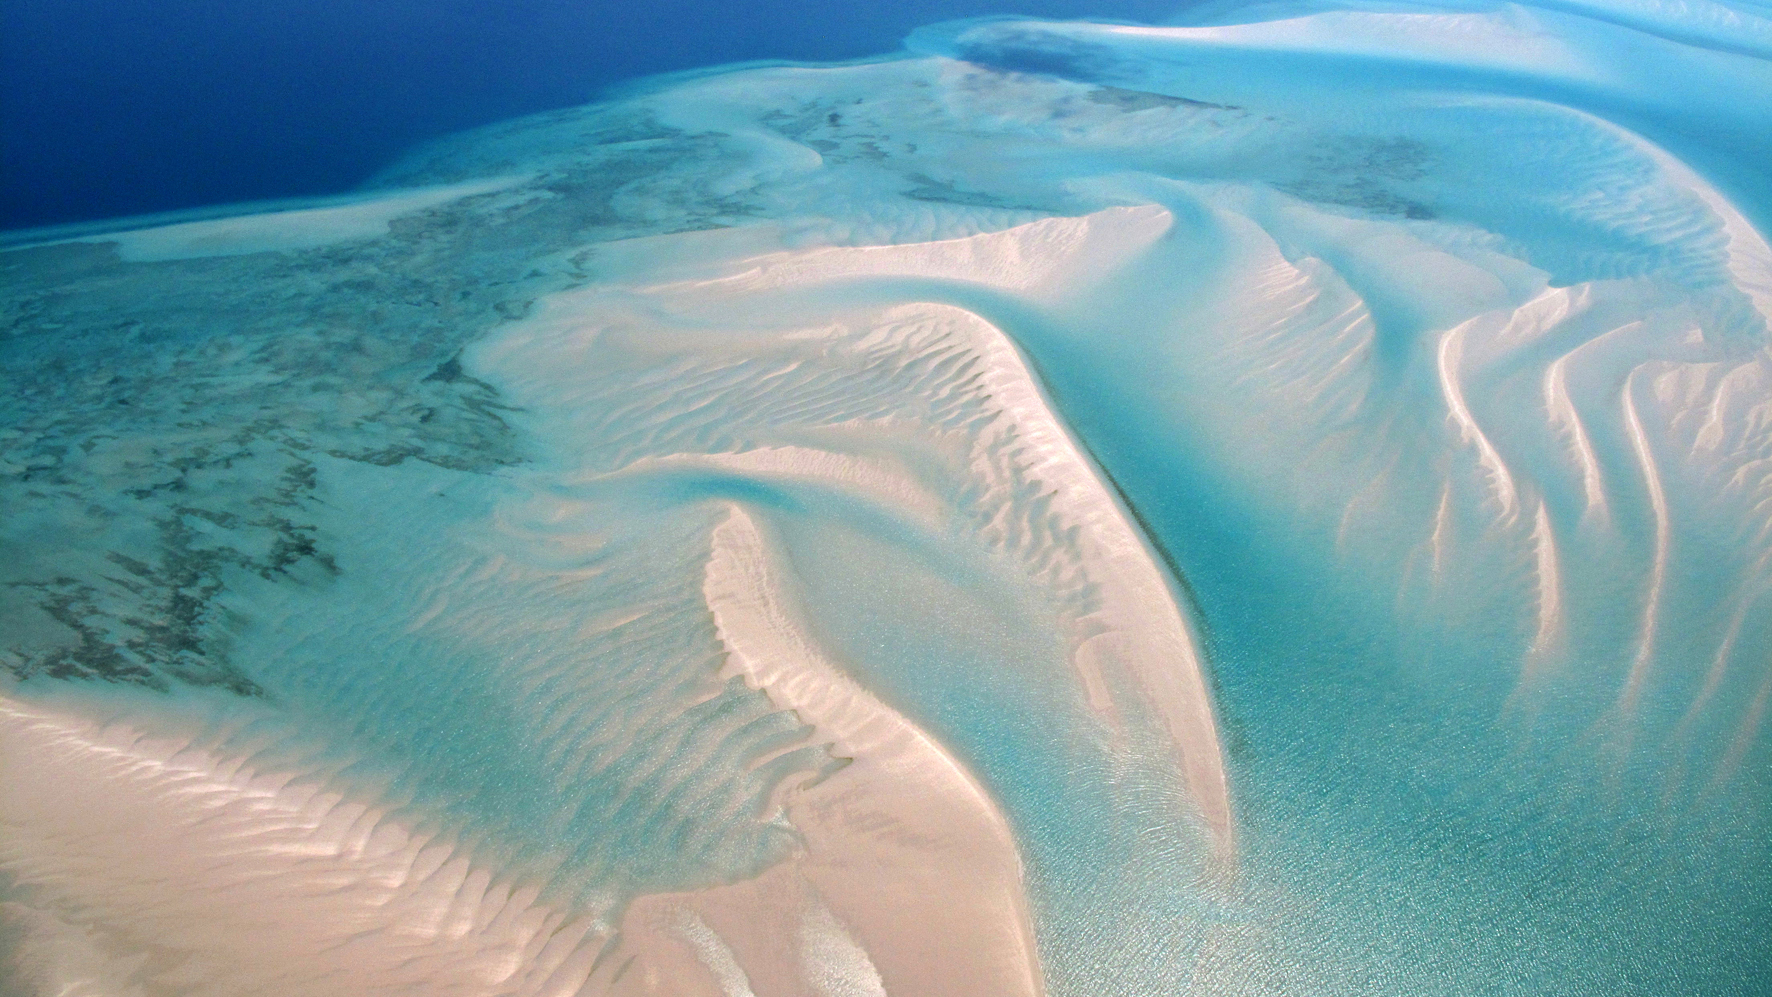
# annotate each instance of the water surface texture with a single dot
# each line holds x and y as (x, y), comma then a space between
(1274, 503)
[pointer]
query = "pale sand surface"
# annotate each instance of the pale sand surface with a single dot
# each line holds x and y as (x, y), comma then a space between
(1010, 464)
(580, 608)
(908, 880)
(277, 879)
(203, 874)
(282, 231)
(269, 877)
(902, 851)
(267, 880)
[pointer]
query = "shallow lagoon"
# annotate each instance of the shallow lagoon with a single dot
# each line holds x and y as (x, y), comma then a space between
(1271, 504)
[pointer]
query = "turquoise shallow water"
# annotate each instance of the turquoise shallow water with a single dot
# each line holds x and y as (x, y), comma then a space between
(1275, 503)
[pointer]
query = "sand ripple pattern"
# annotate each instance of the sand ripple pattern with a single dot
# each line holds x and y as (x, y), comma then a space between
(1275, 502)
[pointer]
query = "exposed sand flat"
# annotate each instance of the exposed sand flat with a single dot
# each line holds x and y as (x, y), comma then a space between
(1574, 426)
(880, 478)
(641, 559)
(1511, 42)
(1133, 630)
(1500, 478)
(1138, 631)
(1565, 419)
(293, 229)
(1629, 695)
(1550, 586)
(925, 409)
(162, 864)
(1749, 255)
(908, 879)
(1040, 259)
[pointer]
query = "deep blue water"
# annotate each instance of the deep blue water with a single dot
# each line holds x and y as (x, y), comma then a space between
(121, 107)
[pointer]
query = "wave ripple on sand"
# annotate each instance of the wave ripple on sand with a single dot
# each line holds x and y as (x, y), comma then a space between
(1278, 502)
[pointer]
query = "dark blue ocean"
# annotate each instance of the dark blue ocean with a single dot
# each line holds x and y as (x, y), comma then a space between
(124, 107)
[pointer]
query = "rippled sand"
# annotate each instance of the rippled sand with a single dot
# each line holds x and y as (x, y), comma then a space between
(1275, 503)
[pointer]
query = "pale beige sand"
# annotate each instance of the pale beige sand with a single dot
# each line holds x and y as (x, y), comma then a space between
(1041, 260)
(159, 861)
(908, 881)
(273, 879)
(879, 477)
(278, 231)
(269, 878)
(987, 447)
(1137, 630)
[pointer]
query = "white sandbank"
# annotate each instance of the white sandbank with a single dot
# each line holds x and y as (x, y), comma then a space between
(261, 881)
(908, 880)
(910, 405)
(1041, 260)
(282, 231)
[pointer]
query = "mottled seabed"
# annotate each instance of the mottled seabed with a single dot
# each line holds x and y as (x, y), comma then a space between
(1275, 504)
